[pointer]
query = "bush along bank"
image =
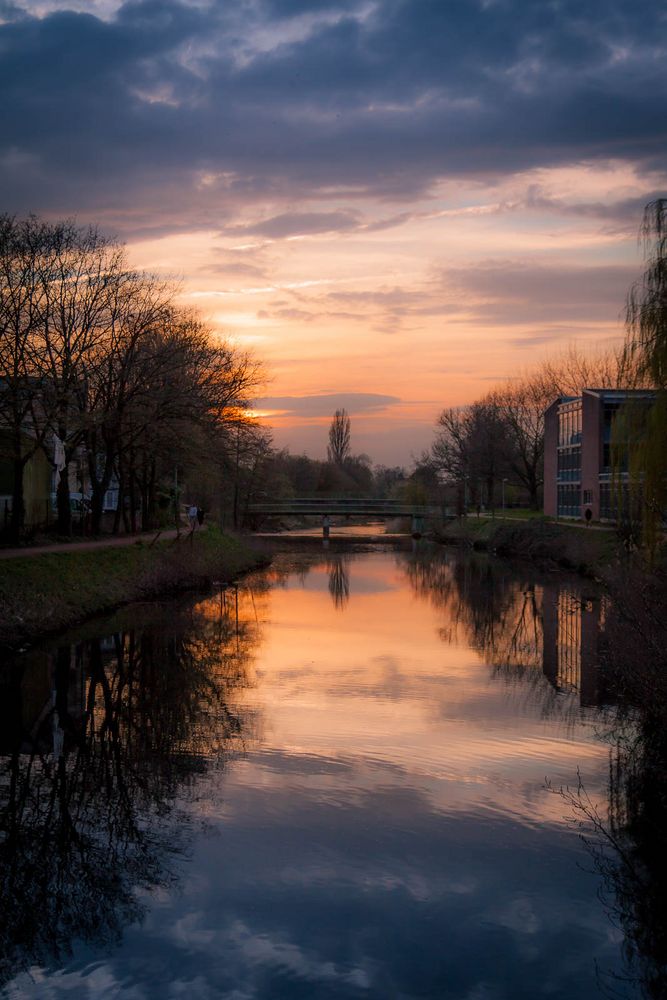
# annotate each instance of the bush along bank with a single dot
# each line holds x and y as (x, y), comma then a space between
(569, 546)
(47, 593)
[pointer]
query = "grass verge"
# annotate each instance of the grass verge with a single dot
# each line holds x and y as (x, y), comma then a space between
(571, 546)
(47, 593)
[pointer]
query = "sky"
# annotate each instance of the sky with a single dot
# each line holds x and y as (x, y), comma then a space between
(394, 204)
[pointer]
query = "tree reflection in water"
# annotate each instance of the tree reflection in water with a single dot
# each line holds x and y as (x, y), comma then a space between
(631, 850)
(628, 848)
(339, 579)
(613, 653)
(527, 628)
(496, 609)
(101, 743)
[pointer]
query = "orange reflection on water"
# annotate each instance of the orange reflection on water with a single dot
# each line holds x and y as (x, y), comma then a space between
(360, 664)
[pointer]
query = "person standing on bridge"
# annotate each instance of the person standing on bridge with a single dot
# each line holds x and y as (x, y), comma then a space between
(326, 525)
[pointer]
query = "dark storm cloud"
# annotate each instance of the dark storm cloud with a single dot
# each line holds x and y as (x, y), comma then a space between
(10, 11)
(183, 110)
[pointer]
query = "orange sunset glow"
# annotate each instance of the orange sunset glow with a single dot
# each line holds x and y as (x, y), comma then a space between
(402, 664)
(405, 312)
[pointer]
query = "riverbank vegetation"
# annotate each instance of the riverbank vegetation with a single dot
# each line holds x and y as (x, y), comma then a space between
(45, 593)
(590, 551)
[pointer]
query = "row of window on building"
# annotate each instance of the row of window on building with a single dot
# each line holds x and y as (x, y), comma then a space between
(587, 469)
(569, 500)
(569, 424)
(572, 500)
(569, 465)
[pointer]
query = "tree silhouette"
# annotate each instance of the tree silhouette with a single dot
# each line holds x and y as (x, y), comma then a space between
(339, 438)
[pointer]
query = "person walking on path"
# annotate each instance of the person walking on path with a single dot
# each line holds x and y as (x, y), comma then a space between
(192, 515)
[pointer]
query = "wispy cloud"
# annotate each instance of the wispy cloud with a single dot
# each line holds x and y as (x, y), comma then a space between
(325, 404)
(516, 292)
(294, 224)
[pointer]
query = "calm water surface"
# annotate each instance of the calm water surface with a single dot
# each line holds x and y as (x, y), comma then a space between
(329, 782)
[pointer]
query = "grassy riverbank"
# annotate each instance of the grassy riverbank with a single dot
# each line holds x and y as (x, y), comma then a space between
(570, 546)
(49, 592)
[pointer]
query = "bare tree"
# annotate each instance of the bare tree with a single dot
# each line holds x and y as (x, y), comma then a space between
(75, 287)
(339, 438)
(568, 372)
(191, 401)
(520, 406)
(468, 448)
(138, 304)
(27, 249)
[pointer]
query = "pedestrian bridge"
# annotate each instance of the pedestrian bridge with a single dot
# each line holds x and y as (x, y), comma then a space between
(346, 506)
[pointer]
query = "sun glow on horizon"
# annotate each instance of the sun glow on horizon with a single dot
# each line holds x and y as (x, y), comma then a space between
(432, 304)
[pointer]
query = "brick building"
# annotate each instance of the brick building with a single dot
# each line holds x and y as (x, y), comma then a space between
(578, 470)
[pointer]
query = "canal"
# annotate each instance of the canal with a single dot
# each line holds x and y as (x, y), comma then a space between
(341, 778)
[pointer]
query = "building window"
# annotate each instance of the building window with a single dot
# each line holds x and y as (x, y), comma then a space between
(568, 467)
(588, 497)
(569, 500)
(569, 424)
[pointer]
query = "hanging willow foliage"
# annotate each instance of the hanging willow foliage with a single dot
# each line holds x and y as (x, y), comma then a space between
(646, 353)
